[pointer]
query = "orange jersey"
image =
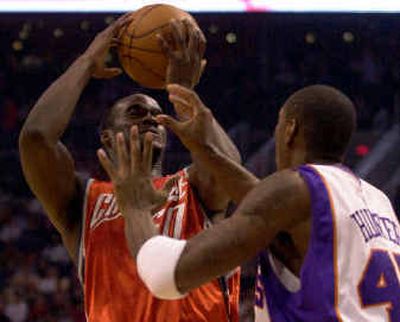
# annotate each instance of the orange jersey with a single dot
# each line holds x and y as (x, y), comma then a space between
(113, 291)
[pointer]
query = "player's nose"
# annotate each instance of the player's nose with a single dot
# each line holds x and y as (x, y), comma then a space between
(149, 119)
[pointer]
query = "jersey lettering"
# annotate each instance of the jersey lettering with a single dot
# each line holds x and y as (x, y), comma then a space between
(105, 209)
(372, 226)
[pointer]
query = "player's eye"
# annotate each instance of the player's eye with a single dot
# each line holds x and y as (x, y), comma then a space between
(136, 111)
(155, 112)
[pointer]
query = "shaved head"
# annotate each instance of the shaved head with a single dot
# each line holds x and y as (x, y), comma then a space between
(108, 119)
(327, 118)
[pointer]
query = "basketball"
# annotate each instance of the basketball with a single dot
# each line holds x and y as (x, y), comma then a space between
(139, 52)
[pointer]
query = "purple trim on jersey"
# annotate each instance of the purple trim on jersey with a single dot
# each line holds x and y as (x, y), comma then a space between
(275, 294)
(315, 301)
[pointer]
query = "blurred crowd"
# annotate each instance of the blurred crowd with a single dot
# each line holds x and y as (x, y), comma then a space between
(254, 62)
(37, 280)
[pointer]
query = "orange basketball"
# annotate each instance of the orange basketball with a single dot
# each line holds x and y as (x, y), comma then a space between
(139, 52)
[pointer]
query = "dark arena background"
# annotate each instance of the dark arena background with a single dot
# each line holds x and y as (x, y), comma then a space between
(255, 60)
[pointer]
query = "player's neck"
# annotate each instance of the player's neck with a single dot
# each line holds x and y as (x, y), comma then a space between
(303, 157)
(322, 159)
(156, 171)
(158, 156)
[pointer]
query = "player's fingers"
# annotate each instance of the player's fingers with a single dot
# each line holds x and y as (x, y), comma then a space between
(135, 148)
(123, 21)
(115, 41)
(177, 33)
(189, 96)
(180, 90)
(202, 43)
(122, 154)
(147, 153)
(164, 45)
(170, 123)
(193, 40)
(120, 30)
(187, 29)
(203, 65)
(118, 26)
(183, 108)
(202, 68)
(182, 104)
(192, 33)
(106, 163)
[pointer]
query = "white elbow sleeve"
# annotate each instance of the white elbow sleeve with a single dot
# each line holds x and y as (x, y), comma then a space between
(156, 263)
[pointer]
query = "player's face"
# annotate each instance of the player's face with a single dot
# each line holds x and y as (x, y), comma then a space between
(140, 110)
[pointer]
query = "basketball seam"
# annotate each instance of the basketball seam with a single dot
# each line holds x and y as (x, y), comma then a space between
(151, 31)
(142, 49)
(130, 61)
(144, 66)
(143, 16)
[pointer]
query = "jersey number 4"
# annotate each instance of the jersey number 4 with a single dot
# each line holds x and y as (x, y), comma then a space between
(380, 284)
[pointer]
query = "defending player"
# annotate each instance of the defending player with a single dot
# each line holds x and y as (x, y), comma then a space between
(88, 219)
(345, 231)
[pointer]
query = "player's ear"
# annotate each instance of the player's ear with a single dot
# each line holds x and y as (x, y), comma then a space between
(291, 131)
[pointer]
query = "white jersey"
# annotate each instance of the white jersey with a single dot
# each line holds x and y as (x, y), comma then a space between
(351, 272)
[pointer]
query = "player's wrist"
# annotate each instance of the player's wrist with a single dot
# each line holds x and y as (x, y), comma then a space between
(182, 74)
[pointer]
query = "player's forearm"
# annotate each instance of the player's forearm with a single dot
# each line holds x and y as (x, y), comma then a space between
(139, 227)
(212, 188)
(52, 113)
(220, 140)
(229, 174)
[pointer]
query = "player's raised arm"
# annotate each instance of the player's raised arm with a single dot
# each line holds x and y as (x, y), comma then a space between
(204, 137)
(278, 203)
(185, 50)
(47, 164)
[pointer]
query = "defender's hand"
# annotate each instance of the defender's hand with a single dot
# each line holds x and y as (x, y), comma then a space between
(131, 175)
(184, 48)
(99, 48)
(194, 121)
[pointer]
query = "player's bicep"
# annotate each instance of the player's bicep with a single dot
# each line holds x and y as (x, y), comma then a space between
(50, 173)
(277, 203)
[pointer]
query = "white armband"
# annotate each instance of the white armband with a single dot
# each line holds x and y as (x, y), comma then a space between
(156, 263)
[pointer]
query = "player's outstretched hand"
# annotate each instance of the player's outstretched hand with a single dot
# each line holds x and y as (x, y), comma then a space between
(194, 120)
(184, 46)
(131, 174)
(99, 48)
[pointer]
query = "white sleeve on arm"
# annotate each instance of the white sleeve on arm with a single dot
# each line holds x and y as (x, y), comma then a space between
(156, 263)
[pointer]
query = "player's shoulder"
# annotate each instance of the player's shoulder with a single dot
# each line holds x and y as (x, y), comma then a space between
(93, 189)
(93, 184)
(370, 187)
(291, 187)
(375, 193)
(288, 180)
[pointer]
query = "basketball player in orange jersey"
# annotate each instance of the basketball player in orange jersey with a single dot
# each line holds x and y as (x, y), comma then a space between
(344, 230)
(86, 213)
